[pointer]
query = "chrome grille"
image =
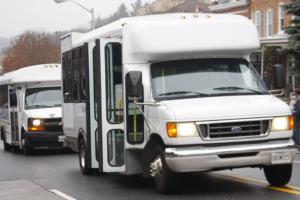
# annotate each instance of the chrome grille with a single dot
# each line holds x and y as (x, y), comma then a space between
(227, 130)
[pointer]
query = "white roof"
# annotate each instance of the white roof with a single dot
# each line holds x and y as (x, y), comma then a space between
(35, 73)
(179, 36)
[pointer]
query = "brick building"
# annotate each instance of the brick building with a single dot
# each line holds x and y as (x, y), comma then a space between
(241, 7)
(270, 20)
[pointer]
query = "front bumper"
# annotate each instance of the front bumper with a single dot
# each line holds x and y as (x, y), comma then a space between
(44, 139)
(191, 159)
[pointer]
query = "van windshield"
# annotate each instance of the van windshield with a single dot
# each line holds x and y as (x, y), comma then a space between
(205, 77)
(43, 97)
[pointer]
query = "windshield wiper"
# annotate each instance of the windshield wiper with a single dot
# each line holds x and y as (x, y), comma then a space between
(234, 88)
(38, 106)
(183, 93)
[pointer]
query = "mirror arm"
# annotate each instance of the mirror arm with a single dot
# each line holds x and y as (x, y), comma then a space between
(144, 115)
(146, 104)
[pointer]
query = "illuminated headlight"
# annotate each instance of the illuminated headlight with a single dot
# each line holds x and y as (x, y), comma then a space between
(181, 130)
(282, 123)
(36, 122)
(35, 125)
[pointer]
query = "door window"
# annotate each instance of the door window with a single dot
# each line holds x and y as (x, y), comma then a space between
(115, 149)
(114, 84)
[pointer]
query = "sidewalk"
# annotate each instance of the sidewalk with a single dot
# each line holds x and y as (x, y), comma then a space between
(25, 190)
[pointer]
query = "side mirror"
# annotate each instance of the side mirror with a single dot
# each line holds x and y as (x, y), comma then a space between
(134, 84)
(279, 76)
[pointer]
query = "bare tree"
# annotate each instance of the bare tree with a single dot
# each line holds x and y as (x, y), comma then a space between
(120, 13)
(136, 6)
(31, 48)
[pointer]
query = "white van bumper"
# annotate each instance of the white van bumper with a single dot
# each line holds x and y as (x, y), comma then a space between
(191, 159)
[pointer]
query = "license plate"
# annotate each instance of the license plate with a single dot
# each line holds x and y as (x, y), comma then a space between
(281, 158)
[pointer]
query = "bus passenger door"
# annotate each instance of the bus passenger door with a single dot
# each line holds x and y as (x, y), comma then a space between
(13, 105)
(112, 105)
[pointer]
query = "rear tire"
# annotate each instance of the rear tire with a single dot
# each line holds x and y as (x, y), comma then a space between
(278, 175)
(162, 175)
(83, 158)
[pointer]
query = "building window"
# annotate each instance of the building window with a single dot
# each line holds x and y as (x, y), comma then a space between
(257, 21)
(269, 23)
(280, 17)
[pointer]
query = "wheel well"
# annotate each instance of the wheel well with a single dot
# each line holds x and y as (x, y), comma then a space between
(22, 132)
(154, 140)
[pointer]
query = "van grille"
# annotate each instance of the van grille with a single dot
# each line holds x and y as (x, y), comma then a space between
(227, 130)
(53, 125)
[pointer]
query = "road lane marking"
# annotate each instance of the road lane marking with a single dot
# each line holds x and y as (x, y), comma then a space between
(287, 189)
(61, 194)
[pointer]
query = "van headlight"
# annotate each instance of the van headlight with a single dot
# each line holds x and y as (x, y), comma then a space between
(282, 123)
(35, 124)
(181, 129)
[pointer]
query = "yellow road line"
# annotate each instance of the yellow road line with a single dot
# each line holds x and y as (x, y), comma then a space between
(287, 189)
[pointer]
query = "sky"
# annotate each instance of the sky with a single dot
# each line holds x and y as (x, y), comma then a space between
(16, 16)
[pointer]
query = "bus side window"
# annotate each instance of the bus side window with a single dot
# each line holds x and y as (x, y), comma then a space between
(75, 67)
(67, 77)
(83, 65)
(13, 99)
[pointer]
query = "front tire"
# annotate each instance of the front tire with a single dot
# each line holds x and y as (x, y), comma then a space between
(3, 137)
(25, 148)
(278, 175)
(160, 172)
(83, 158)
(7, 147)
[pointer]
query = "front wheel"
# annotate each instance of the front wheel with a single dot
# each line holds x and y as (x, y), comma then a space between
(6, 145)
(278, 175)
(25, 148)
(83, 158)
(3, 137)
(160, 172)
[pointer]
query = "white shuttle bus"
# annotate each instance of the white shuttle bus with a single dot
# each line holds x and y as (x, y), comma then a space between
(164, 94)
(30, 108)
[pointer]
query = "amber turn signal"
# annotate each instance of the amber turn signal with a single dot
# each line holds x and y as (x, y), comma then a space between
(291, 122)
(171, 130)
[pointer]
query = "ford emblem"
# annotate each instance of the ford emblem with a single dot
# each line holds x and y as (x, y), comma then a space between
(236, 129)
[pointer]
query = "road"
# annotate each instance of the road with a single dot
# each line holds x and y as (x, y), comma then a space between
(59, 172)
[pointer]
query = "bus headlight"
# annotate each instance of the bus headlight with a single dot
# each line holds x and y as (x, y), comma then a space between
(282, 123)
(181, 130)
(35, 125)
(36, 122)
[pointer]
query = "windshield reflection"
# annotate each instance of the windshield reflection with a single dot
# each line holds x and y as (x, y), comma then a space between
(43, 98)
(205, 77)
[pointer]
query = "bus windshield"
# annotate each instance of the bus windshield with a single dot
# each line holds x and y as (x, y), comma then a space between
(43, 97)
(205, 77)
